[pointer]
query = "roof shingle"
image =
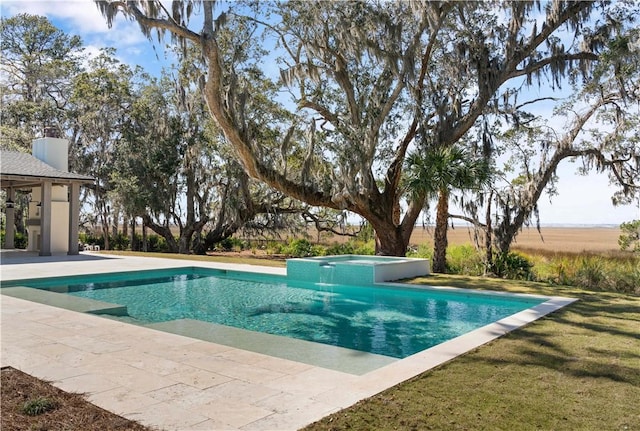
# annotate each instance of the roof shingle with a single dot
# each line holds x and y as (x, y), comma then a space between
(23, 164)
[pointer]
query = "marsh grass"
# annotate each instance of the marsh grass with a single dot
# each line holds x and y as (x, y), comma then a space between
(614, 272)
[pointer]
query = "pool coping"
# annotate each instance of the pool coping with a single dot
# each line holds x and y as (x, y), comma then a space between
(172, 381)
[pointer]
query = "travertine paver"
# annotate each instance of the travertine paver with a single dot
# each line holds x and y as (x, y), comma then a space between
(174, 382)
(200, 379)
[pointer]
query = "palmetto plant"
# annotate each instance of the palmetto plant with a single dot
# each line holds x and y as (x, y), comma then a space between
(437, 172)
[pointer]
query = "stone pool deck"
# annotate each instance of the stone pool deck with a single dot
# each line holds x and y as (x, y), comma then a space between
(174, 382)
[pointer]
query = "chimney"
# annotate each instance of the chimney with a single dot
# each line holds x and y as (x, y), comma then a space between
(51, 149)
(51, 132)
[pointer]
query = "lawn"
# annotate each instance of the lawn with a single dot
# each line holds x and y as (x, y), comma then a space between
(576, 369)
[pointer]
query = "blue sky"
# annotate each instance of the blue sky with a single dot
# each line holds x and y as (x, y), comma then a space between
(581, 200)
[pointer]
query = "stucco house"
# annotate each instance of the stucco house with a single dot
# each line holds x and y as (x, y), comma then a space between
(54, 206)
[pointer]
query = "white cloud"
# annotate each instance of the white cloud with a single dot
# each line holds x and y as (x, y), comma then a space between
(81, 14)
(80, 17)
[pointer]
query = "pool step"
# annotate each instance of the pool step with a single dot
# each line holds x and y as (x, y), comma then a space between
(320, 355)
(74, 303)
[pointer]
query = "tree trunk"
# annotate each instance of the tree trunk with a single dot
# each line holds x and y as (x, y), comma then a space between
(133, 234)
(440, 241)
(186, 233)
(145, 242)
(488, 239)
(390, 241)
(19, 219)
(163, 231)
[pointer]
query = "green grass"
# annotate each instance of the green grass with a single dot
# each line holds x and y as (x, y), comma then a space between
(38, 406)
(576, 369)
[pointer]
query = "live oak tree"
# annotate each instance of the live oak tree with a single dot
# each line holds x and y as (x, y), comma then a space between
(597, 127)
(364, 80)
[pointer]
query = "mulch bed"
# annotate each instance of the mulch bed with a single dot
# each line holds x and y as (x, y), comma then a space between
(55, 408)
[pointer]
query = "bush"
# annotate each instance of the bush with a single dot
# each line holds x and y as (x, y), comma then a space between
(423, 251)
(39, 405)
(590, 274)
(275, 247)
(630, 236)
(20, 240)
(87, 238)
(120, 242)
(344, 248)
(464, 259)
(156, 243)
(367, 248)
(231, 244)
(299, 248)
(512, 266)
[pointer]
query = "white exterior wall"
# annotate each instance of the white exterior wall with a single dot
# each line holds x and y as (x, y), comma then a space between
(52, 151)
(59, 227)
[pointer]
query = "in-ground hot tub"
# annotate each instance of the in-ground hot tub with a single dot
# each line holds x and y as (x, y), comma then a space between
(355, 269)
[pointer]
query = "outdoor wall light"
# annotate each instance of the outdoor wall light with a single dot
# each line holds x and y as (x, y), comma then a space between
(10, 203)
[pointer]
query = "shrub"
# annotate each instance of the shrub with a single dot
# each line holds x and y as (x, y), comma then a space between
(353, 246)
(630, 236)
(120, 242)
(299, 248)
(318, 250)
(157, 243)
(226, 244)
(513, 266)
(590, 274)
(274, 247)
(464, 259)
(367, 248)
(38, 406)
(20, 240)
(344, 248)
(424, 251)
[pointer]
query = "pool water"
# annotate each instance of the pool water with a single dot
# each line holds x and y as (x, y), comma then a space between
(384, 320)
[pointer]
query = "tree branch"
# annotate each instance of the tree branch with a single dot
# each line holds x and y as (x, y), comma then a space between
(532, 67)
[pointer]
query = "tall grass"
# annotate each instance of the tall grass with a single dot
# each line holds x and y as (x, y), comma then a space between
(613, 272)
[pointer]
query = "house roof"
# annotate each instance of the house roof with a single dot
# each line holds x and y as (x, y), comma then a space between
(20, 169)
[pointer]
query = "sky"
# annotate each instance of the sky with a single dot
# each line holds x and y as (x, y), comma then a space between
(581, 200)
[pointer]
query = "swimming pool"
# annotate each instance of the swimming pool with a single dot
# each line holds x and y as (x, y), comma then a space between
(388, 320)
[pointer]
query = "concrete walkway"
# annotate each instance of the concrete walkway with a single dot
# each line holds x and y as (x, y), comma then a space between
(174, 382)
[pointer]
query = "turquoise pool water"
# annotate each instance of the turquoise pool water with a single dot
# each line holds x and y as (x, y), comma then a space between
(385, 320)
